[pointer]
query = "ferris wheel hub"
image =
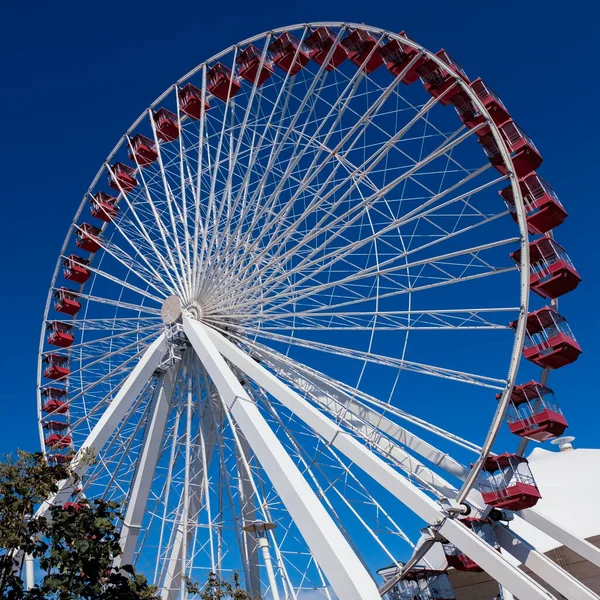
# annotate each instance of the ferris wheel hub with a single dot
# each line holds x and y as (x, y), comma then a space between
(171, 310)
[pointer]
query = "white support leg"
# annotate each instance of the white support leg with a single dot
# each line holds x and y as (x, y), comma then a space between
(337, 402)
(416, 500)
(541, 565)
(171, 584)
(562, 535)
(248, 511)
(151, 446)
(345, 572)
(110, 419)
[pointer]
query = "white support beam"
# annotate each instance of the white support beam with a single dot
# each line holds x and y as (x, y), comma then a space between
(151, 447)
(110, 419)
(345, 572)
(417, 501)
(171, 585)
(562, 535)
(338, 402)
(541, 565)
(248, 511)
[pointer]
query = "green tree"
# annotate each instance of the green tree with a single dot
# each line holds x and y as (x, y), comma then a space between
(76, 546)
(218, 589)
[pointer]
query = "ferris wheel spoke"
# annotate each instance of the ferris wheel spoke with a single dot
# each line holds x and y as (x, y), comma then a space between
(170, 202)
(327, 260)
(169, 268)
(317, 84)
(117, 303)
(141, 230)
(295, 372)
(434, 371)
(361, 172)
(147, 273)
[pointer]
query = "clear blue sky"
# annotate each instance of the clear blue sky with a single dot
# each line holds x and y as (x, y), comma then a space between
(76, 74)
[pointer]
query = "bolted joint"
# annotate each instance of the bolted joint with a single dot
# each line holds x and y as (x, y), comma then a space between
(452, 508)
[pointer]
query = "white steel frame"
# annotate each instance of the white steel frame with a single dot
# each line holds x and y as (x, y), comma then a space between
(170, 246)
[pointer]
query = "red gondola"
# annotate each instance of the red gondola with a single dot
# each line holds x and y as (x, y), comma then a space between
(88, 237)
(289, 54)
(469, 113)
(60, 334)
(508, 483)
(525, 156)
(55, 402)
(549, 342)
(60, 459)
(534, 414)
(249, 62)
(74, 269)
(66, 302)
(190, 101)
(56, 440)
(542, 206)
(458, 559)
(320, 43)
(104, 207)
(142, 150)
(56, 425)
(221, 82)
(440, 82)
(167, 126)
(363, 50)
(122, 178)
(58, 366)
(397, 56)
(552, 272)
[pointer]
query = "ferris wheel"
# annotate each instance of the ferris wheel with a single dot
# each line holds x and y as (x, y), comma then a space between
(286, 325)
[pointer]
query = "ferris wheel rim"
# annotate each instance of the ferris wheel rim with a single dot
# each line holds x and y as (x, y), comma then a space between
(521, 325)
(524, 236)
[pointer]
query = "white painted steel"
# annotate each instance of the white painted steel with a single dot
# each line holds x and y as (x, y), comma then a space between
(151, 446)
(343, 569)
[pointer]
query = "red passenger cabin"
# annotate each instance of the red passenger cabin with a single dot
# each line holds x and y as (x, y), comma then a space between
(60, 334)
(60, 459)
(221, 82)
(542, 206)
(55, 401)
(534, 414)
(525, 156)
(190, 101)
(508, 483)
(75, 269)
(142, 150)
(289, 54)
(321, 43)
(122, 178)
(397, 56)
(440, 82)
(471, 116)
(88, 237)
(58, 435)
(458, 559)
(167, 125)
(363, 50)
(65, 301)
(57, 366)
(104, 207)
(552, 272)
(549, 342)
(249, 65)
